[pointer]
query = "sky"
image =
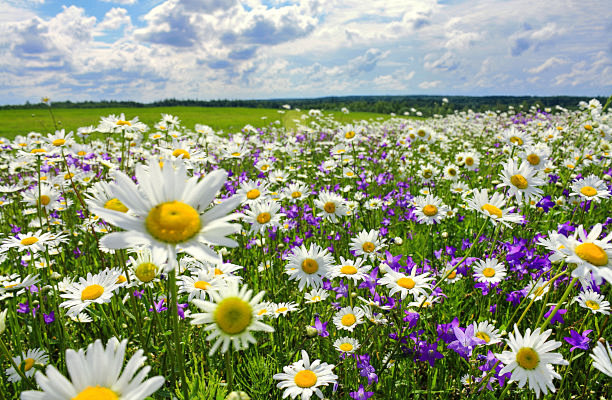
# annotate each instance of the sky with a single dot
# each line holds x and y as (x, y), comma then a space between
(147, 50)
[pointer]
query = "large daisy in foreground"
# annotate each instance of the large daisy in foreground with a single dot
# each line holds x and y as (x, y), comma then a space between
(303, 378)
(169, 211)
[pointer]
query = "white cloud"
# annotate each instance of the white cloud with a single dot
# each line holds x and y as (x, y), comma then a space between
(528, 38)
(430, 84)
(122, 2)
(446, 62)
(551, 62)
(115, 18)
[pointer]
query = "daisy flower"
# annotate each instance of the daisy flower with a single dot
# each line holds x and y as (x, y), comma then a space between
(304, 379)
(32, 241)
(590, 188)
(460, 188)
(536, 289)
(147, 266)
(15, 283)
(530, 360)
(486, 331)
(231, 317)
(521, 181)
(283, 308)
(536, 156)
(348, 318)
(316, 295)
(29, 359)
(429, 209)
(451, 172)
(366, 244)
(493, 207)
(92, 289)
(589, 253)
(48, 197)
(351, 269)
(514, 137)
(263, 214)
(169, 212)
(593, 301)
(331, 205)
(602, 358)
(201, 285)
(97, 374)
(296, 192)
(489, 271)
(413, 284)
(470, 160)
(308, 266)
(251, 191)
(346, 345)
(101, 195)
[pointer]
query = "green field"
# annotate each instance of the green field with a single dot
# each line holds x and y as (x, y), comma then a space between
(21, 122)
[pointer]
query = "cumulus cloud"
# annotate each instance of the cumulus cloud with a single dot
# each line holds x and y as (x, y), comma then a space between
(122, 2)
(551, 62)
(430, 84)
(529, 37)
(367, 62)
(115, 18)
(446, 62)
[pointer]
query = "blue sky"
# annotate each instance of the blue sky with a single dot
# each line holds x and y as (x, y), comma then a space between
(146, 50)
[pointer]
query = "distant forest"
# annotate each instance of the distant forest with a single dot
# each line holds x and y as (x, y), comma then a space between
(427, 105)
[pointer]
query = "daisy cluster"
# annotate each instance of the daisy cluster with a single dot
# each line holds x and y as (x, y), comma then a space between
(322, 259)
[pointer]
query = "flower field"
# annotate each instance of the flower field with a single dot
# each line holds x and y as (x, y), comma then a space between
(464, 256)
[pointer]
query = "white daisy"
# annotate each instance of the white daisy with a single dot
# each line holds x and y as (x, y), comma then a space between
(530, 360)
(316, 295)
(331, 205)
(413, 284)
(92, 289)
(263, 214)
(366, 244)
(489, 271)
(296, 192)
(602, 358)
(251, 191)
(201, 285)
(231, 317)
(346, 345)
(308, 266)
(97, 374)
(590, 188)
(521, 181)
(351, 269)
(170, 212)
(348, 318)
(593, 301)
(589, 253)
(303, 378)
(488, 332)
(28, 359)
(493, 207)
(429, 209)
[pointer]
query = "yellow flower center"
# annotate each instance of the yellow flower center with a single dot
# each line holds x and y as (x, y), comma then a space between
(296, 195)
(452, 171)
(316, 298)
(430, 210)
(181, 153)
(592, 253)
(491, 209)
(146, 272)
(233, 315)
(92, 292)
(406, 283)
(173, 222)
(262, 312)
(593, 305)
(330, 207)
(305, 378)
(265, 167)
(539, 291)
(519, 181)
(533, 159)
(263, 218)
(29, 241)
(516, 140)
(120, 279)
(253, 194)
(281, 310)
(59, 142)
(235, 154)
(28, 364)
(421, 132)
(96, 393)
(45, 200)
(68, 176)
(483, 336)
(452, 275)
(368, 247)
(469, 161)
(218, 271)
(202, 285)
(310, 266)
(588, 127)
(38, 151)
(349, 134)
(348, 270)
(82, 153)
(348, 320)
(588, 191)
(488, 272)
(527, 358)
(427, 174)
(116, 205)
(122, 122)
(346, 347)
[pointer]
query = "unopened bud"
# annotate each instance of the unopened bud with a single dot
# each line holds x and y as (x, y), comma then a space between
(311, 331)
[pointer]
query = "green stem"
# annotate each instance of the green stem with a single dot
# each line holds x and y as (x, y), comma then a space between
(7, 354)
(563, 298)
(178, 348)
(229, 371)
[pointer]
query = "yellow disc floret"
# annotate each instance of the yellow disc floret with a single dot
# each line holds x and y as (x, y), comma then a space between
(348, 270)
(28, 363)
(592, 253)
(519, 181)
(92, 292)
(264, 218)
(330, 207)
(146, 272)
(202, 285)
(593, 305)
(253, 194)
(29, 241)
(527, 358)
(588, 191)
(348, 320)
(533, 159)
(488, 272)
(492, 210)
(173, 222)
(233, 315)
(406, 283)
(116, 205)
(368, 247)
(96, 393)
(305, 378)
(310, 266)
(346, 347)
(181, 153)
(430, 210)
(59, 142)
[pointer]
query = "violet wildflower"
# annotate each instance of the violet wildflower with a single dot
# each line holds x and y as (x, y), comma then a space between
(558, 317)
(361, 394)
(577, 340)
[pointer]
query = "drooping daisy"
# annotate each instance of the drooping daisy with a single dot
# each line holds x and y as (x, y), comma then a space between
(308, 266)
(303, 378)
(331, 205)
(351, 269)
(589, 253)
(29, 359)
(413, 284)
(488, 332)
(536, 289)
(96, 288)
(231, 317)
(366, 244)
(521, 181)
(429, 209)
(530, 360)
(14, 282)
(593, 301)
(489, 271)
(346, 345)
(493, 207)
(97, 374)
(263, 214)
(602, 358)
(590, 188)
(170, 212)
(348, 318)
